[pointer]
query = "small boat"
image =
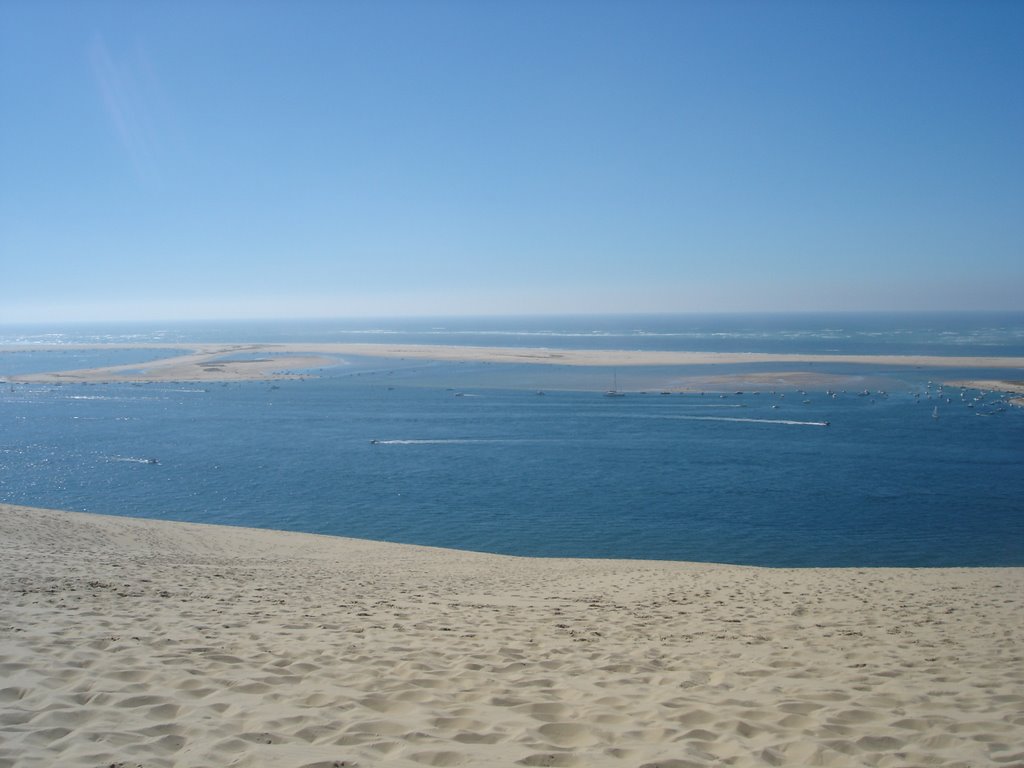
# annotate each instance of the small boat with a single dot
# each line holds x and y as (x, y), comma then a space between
(614, 391)
(935, 412)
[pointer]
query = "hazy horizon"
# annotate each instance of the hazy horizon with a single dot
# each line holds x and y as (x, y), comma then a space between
(226, 161)
(484, 323)
(101, 318)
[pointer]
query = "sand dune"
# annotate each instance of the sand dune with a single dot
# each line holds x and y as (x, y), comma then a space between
(129, 642)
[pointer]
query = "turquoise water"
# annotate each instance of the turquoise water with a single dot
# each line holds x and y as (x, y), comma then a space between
(471, 456)
(30, 360)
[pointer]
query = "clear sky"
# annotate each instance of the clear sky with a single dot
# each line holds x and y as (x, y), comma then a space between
(164, 160)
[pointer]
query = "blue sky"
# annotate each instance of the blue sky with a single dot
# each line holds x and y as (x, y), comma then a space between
(166, 160)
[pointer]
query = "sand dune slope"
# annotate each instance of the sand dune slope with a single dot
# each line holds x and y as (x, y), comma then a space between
(138, 643)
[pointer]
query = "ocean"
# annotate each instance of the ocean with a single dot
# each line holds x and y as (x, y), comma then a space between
(924, 333)
(886, 468)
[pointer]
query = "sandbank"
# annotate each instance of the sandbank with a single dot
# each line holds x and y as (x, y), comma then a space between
(136, 642)
(994, 385)
(218, 362)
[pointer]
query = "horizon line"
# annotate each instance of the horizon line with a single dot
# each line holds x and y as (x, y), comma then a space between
(513, 315)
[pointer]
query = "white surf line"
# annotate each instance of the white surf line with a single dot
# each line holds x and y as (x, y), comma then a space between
(753, 421)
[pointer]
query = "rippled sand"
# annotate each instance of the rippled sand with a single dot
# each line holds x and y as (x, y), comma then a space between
(130, 642)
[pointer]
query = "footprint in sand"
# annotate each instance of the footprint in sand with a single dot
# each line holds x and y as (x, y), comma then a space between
(547, 711)
(569, 734)
(555, 760)
(443, 759)
(386, 705)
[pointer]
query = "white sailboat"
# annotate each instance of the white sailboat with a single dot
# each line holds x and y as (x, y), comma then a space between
(614, 391)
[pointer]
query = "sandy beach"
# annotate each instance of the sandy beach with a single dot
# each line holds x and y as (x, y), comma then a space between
(219, 362)
(143, 643)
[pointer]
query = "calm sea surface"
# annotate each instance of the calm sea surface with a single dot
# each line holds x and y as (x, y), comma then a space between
(995, 333)
(471, 456)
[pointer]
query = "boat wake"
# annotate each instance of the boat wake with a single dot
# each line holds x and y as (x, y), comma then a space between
(711, 405)
(753, 421)
(445, 441)
(456, 441)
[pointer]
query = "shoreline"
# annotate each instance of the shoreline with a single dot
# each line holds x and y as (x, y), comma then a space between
(205, 362)
(168, 643)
